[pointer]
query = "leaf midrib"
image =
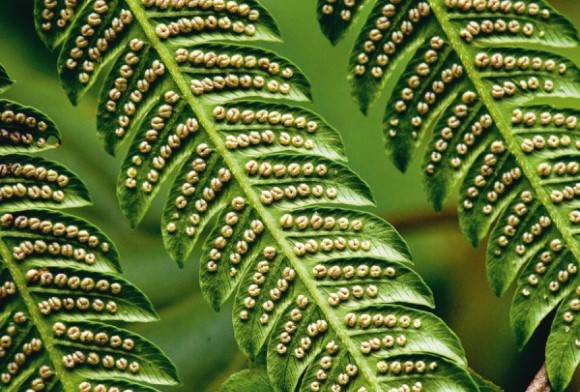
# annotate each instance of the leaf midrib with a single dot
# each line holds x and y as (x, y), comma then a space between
(269, 221)
(504, 128)
(36, 318)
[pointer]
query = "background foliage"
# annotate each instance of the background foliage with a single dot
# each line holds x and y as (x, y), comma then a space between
(201, 341)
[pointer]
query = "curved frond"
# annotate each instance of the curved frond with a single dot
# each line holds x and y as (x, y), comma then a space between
(268, 181)
(484, 88)
(60, 285)
(564, 336)
(25, 129)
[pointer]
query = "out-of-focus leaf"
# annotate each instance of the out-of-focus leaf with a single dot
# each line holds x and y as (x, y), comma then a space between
(60, 281)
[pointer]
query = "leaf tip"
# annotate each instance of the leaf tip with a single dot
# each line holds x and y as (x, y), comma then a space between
(155, 316)
(521, 331)
(110, 149)
(436, 201)
(334, 39)
(133, 223)
(180, 263)
(72, 94)
(216, 306)
(469, 231)
(211, 296)
(132, 217)
(363, 104)
(497, 286)
(400, 163)
(176, 256)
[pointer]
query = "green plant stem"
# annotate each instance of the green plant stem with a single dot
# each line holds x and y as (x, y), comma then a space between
(422, 219)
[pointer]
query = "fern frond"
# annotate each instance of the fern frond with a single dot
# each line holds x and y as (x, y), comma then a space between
(60, 285)
(484, 86)
(325, 292)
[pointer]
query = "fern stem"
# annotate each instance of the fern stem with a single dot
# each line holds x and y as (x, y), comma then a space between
(39, 322)
(540, 382)
(423, 219)
(503, 127)
(269, 221)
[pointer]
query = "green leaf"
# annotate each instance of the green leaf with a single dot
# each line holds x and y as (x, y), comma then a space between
(483, 85)
(32, 182)
(562, 354)
(25, 129)
(254, 380)
(334, 17)
(5, 80)
(264, 181)
(60, 274)
(483, 384)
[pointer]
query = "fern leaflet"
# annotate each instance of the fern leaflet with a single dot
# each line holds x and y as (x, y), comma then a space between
(324, 291)
(60, 286)
(485, 77)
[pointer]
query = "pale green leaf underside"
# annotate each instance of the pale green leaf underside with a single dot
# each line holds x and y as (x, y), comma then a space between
(479, 75)
(264, 180)
(59, 279)
(25, 129)
(564, 341)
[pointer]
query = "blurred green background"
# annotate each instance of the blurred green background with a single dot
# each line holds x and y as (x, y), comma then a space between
(201, 341)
